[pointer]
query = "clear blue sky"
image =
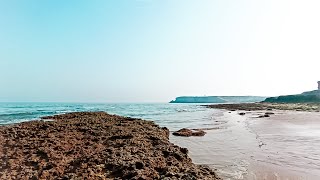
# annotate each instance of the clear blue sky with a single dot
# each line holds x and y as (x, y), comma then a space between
(153, 51)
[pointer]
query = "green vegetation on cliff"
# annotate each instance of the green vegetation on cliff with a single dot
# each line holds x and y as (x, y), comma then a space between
(306, 97)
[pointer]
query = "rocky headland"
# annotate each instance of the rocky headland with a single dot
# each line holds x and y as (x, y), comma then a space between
(93, 145)
(307, 97)
(217, 99)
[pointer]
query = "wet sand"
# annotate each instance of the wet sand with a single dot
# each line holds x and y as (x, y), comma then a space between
(282, 146)
(291, 144)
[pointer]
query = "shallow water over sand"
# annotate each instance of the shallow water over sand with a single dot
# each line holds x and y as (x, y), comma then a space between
(285, 146)
(227, 149)
(292, 142)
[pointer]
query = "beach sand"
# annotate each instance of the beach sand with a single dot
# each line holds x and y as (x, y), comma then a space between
(282, 146)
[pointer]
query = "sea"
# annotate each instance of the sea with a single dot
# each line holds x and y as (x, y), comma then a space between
(172, 116)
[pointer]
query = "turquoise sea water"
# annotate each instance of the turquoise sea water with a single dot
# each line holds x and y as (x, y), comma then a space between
(173, 116)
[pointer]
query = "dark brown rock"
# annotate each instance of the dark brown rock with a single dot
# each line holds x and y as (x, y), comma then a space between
(189, 132)
(263, 116)
(93, 145)
(269, 113)
(198, 133)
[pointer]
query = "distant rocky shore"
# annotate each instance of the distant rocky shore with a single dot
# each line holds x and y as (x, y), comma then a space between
(217, 99)
(268, 106)
(93, 145)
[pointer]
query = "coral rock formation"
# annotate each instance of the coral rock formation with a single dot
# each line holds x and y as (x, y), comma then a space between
(188, 132)
(93, 145)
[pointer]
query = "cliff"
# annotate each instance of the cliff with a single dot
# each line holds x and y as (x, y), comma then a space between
(305, 97)
(217, 99)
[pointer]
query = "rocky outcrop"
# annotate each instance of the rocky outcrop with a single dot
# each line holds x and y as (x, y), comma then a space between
(93, 145)
(268, 106)
(269, 113)
(189, 132)
(263, 116)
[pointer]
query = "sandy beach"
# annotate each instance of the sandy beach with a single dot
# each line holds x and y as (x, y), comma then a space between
(282, 146)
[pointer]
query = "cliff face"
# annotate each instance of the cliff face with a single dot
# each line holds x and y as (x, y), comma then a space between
(306, 97)
(190, 99)
(217, 99)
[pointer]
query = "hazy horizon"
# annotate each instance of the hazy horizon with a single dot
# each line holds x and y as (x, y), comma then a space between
(154, 51)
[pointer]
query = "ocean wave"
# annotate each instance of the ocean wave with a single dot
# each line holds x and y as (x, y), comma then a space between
(17, 114)
(14, 117)
(170, 115)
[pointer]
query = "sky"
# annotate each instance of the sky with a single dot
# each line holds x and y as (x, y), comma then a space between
(153, 51)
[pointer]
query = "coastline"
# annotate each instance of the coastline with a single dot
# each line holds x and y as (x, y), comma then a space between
(235, 146)
(281, 146)
(94, 145)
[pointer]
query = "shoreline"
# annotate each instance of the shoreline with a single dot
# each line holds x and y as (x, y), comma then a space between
(95, 145)
(310, 107)
(281, 146)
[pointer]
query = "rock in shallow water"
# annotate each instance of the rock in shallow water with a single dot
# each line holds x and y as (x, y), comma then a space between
(188, 132)
(93, 146)
(263, 116)
(268, 113)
